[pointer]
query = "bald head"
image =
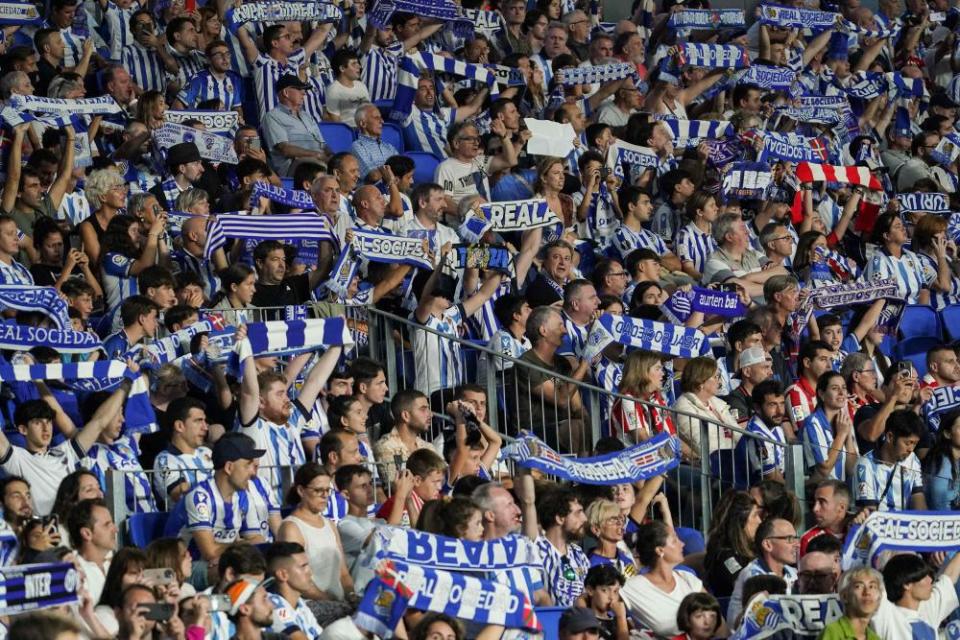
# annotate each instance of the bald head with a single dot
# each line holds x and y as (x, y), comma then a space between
(194, 229)
(369, 204)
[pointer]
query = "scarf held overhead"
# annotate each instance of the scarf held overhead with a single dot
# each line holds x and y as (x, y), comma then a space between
(19, 14)
(281, 12)
(623, 153)
(924, 203)
(791, 17)
(45, 300)
(281, 227)
(711, 56)
(294, 198)
(706, 19)
(807, 172)
(213, 121)
(408, 77)
(670, 339)
(104, 105)
(386, 247)
(649, 459)
(516, 215)
(212, 147)
(23, 338)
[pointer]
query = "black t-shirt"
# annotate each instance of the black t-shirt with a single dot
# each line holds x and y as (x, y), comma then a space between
(722, 571)
(540, 293)
(45, 275)
(293, 290)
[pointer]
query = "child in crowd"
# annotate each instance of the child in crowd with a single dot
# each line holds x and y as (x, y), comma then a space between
(419, 482)
(602, 594)
(698, 617)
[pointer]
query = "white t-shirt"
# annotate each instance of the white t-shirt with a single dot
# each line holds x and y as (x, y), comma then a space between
(461, 179)
(43, 471)
(891, 621)
(655, 609)
(343, 101)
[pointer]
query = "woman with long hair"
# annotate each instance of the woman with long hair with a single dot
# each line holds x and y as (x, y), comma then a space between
(694, 242)
(125, 254)
(829, 442)
(776, 501)
(152, 109)
(941, 466)
(642, 379)
(348, 413)
(607, 526)
(126, 568)
(817, 265)
(81, 484)
(456, 517)
(238, 283)
(893, 261)
(730, 540)
(551, 176)
(307, 526)
(172, 553)
(932, 245)
(209, 27)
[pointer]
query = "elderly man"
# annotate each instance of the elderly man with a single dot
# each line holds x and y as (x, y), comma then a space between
(371, 152)
(465, 173)
(735, 260)
(555, 272)
(292, 135)
(625, 103)
(370, 207)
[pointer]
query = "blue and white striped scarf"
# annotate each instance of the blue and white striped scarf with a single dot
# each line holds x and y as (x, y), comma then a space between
(652, 458)
(792, 17)
(924, 203)
(482, 256)
(212, 147)
(670, 339)
(382, 12)
(23, 338)
(389, 248)
(100, 375)
(104, 105)
(706, 19)
(294, 198)
(453, 554)
(343, 272)
(46, 300)
(944, 399)
(622, 153)
(408, 77)
(284, 228)
(281, 11)
(290, 337)
(773, 78)
(712, 56)
(920, 531)
(514, 215)
(398, 585)
(689, 132)
(28, 587)
(600, 74)
(213, 121)
(867, 85)
(819, 115)
(787, 616)
(892, 30)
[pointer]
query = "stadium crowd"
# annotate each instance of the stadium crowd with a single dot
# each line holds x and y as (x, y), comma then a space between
(734, 222)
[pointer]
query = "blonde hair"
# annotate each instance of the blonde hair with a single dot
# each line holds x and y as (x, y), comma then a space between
(697, 372)
(636, 372)
(542, 168)
(99, 183)
(600, 511)
(190, 198)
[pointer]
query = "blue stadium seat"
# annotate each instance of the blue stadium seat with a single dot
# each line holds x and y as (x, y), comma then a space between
(915, 350)
(385, 106)
(144, 528)
(549, 617)
(950, 321)
(424, 166)
(393, 135)
(920, 320)
(337, 136)
(287, 183)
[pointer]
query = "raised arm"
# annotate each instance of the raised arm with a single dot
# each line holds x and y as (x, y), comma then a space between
(319, 375)
(529, 247)
(65, 170)
(472, 304)
(249, 388)
(527, 492)
(105, 413)
(11, 187)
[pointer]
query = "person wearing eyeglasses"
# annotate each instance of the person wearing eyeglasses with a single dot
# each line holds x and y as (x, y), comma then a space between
(217, 82)
(606, 524)
(777, 546)
(466, 172)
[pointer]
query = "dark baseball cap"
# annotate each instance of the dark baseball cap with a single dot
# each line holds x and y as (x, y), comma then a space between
(578, 620)
(235, 446)
(288, 81)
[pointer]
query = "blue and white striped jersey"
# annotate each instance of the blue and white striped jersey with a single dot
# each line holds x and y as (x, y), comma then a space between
(117, 24)
(907, 270)
(563, 574)
(204, 509)
(626, 240)
(123, 455)
(886, 486)
(190, 63)
(144, 66)
(289, 619)
(118, 283)
(204, 85)
(427, 130)
(817, 442)
(14, 273)
(608, 375)
(73, 47)
(172, 466)
(438, 363)
(938, 299)
(74, 208)
(576, 338)
(263, 502)
(9, 543)
(693, 245)
(280, 443)
(185, 262)
(266, 72)
(763, 458)
(380, 71)
(601, 221)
